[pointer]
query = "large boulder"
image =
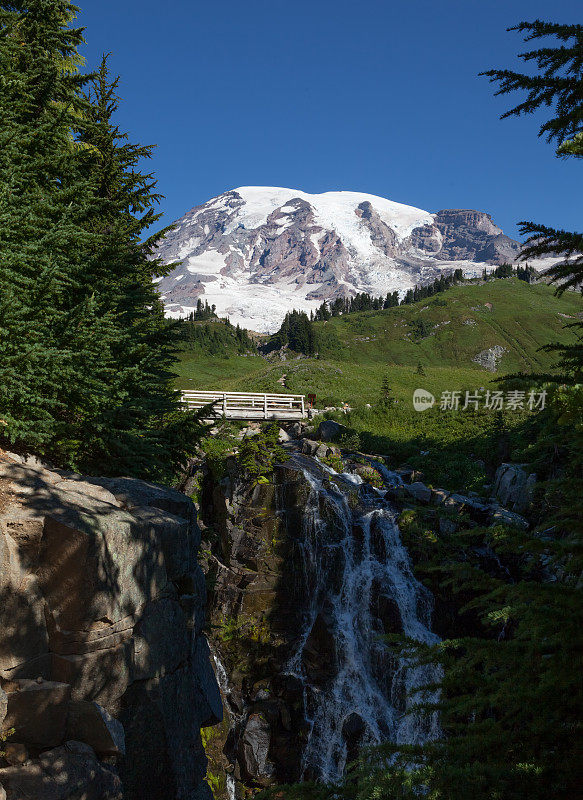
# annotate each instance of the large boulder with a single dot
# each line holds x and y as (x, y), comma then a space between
(296, 430)
(132, 493)
(254, 749)
(70, 772)
(102, 605)
(330, 430)
(501, 516)
(309, 447)
(90, 723)
(419, 491)
(38, 711)
(22, 620)
(97, 563)
(161, 641)
(514, 486)
(103, 675)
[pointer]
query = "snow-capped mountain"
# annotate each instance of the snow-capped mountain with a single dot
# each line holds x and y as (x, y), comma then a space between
(257, 252)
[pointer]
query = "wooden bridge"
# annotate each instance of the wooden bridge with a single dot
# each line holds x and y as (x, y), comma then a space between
(245, 405)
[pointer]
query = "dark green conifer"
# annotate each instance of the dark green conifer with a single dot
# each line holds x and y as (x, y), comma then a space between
(138, 428)
(50, 327)
(85, 350)
(558, 85)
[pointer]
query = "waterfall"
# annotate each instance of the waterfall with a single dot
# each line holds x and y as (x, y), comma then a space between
(358, 581)
(223, 681)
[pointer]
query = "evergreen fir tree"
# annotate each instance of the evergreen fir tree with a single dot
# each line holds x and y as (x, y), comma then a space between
(50, 328)
(85, 347)
(557, 84)
(138, 428)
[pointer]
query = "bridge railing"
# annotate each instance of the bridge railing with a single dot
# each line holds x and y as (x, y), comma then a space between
(248, 405)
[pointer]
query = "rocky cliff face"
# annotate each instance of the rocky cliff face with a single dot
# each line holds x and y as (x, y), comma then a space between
(105, 673)
(258, 252)
(308, 573)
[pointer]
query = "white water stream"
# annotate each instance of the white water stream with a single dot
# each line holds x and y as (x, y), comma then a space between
(347, 559)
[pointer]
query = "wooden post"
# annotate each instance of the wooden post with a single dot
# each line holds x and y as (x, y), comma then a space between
(265, 406)
(303, 412)
(225, 404)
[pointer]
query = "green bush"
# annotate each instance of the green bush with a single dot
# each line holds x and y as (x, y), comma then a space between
(260, 453)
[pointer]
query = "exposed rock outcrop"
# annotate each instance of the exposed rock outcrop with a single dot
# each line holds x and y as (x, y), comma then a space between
(102, 605)
(490, 358)
(471, 235)
(300, 565)
(514, 487)
(69, 772)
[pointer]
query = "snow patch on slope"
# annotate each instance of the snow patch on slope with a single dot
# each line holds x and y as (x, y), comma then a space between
(334, 211)
(257, 252)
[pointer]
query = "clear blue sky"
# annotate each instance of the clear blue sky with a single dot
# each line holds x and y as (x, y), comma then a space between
(367, 95)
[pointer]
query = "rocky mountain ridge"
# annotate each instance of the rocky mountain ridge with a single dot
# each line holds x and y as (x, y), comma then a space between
(257, 252)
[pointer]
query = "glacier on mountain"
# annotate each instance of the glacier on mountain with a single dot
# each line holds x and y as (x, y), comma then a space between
(257, 252)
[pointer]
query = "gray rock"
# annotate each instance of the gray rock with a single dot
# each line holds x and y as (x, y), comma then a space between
(502, 516)
(439, 496)
(322, 451)
(419, 491)
(38, 711)
(212, 714)
(309, 447)
(490, 358)
(174, 535)
(22, 620)
(96, 563)
(90, 723)
(161, 641)
(25, 530)
(283, 436)
(70, 772)
(161, 719)
(296, 430)
(134, 493)
(103, 675)
(330, 430)
(91, 577)
(472, 234)
(514, 487)
(254, 748)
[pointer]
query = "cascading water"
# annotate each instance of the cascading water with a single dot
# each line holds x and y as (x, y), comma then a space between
(355, 571)
(223, 681)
